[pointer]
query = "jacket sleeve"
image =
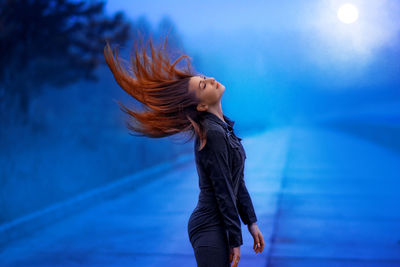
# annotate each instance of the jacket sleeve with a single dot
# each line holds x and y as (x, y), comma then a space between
(214, 156)
(245, 205)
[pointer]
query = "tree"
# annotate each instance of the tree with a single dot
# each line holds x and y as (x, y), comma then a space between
(51, 43)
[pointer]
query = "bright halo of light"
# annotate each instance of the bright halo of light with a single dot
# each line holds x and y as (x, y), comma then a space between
(347, 13)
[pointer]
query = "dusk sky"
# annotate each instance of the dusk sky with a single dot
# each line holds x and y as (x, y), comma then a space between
(267, 52)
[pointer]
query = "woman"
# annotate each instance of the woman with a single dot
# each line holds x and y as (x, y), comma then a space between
(179, 101)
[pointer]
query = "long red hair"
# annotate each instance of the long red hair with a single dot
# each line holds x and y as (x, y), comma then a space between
(162, 88)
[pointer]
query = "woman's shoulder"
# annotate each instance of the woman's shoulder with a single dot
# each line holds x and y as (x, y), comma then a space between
(215, 136)
(213, 127)
(216, 139)
(213, 130)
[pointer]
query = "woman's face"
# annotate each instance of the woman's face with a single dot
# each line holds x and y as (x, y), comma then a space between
(207, 89)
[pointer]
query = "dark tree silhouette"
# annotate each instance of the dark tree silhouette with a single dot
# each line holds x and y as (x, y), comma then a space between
(51, 43)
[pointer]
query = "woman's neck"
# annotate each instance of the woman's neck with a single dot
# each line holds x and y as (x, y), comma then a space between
(217, 111)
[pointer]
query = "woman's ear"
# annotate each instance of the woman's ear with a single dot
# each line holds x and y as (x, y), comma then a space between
(202, 107)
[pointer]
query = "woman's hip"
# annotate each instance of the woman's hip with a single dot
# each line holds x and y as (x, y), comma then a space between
(214, 236)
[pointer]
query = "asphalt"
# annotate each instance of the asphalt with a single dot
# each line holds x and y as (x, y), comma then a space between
(323, 197)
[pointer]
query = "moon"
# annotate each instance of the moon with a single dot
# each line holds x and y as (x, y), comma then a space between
(347, 13)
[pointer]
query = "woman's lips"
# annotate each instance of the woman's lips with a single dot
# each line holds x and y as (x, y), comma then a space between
(217, 84)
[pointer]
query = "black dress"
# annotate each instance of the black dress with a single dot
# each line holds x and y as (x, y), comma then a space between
(223, 194)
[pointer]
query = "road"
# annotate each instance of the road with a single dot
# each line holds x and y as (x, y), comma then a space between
(324, 196)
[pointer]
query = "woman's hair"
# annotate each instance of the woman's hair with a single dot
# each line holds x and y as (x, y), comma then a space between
(162, 88)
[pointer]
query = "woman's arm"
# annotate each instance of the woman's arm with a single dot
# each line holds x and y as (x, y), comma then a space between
(248, 215)
(245, 205)
(214, 156)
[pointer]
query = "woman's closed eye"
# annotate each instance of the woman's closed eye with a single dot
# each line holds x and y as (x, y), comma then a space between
(205, 84)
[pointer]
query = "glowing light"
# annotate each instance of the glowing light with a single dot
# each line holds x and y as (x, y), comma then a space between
(347, 13)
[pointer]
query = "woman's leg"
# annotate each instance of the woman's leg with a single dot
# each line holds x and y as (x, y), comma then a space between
(207, 256)
(211, 248)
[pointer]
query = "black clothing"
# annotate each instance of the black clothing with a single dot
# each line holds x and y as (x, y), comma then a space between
(211, 248)
(223, 193)
(212, 257)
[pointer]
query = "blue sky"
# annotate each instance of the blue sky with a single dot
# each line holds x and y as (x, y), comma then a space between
(282, 56)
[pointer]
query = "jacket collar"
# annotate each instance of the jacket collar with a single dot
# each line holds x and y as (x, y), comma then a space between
(228, 125)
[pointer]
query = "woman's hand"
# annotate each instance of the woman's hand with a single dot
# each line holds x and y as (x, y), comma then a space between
(258, 245)
(235, 256)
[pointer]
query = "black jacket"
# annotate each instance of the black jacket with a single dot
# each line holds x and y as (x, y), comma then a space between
(223, 193)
